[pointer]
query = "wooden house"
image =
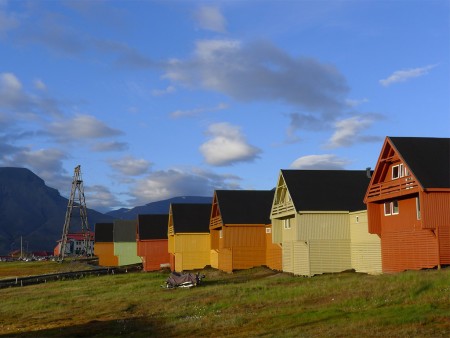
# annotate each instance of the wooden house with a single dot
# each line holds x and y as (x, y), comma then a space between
(188, 232)
(311, 216)
(240, 230)
(152, 242)
(408, 202)
(104, 244)
(125, 246)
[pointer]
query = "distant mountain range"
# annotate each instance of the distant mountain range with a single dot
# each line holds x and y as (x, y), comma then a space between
(160, 207)
(32, 210)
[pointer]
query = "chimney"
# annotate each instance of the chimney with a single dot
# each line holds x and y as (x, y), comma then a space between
(368, 173)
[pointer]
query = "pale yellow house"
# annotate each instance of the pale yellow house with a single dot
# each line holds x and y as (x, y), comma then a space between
(312, 216)
(189, 239)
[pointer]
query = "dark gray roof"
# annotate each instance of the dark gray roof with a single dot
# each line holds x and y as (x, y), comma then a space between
(153, 226)
(104, 232)
(191, 217)
(428, 159)
(327, 190)
(124, 231)
(245, 206)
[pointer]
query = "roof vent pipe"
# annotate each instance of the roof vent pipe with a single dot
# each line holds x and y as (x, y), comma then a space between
(368, 173)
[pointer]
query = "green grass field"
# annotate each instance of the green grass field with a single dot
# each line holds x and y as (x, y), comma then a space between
(250, 303)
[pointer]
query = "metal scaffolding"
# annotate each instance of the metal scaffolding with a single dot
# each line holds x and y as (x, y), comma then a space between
(76, 194)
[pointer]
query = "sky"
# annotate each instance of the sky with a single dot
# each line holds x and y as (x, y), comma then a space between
(157, 99)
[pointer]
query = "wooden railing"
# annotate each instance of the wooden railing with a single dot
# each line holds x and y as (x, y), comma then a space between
(216, 221)
(282, 208)
(401, 186)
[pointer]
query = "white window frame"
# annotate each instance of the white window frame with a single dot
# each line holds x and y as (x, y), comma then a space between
(357, 219)
(268, 230)
(220, 234)
(418, 212)
(287, 223)
(400, 171)
(390, 208)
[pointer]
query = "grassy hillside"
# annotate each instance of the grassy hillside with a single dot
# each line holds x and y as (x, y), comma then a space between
(256, 302)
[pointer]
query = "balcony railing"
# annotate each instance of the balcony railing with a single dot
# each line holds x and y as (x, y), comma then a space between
(401, 186)
(282, 208)
(216, 221)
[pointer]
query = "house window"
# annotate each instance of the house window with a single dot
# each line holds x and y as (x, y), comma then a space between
(220, 234)
(357, 219)
(268, 230)
(391, 208)
(398, 171)
(418, 208)
(287, 223)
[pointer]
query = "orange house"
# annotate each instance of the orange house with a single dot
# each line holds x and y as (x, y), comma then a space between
(241, 230)
(152, 242)
(104, 244)
(408, 203)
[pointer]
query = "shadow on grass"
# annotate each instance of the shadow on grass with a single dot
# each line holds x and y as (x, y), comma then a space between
(130, 327)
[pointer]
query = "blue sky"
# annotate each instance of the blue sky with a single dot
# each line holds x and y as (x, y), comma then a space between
(156, 99)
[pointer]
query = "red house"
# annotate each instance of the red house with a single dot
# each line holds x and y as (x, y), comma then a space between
(408, 203)
(152, 242)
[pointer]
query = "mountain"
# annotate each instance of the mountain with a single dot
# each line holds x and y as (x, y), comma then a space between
(31, 209)
(160, 207)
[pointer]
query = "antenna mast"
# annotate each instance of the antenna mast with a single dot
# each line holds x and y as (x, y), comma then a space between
(77, 193)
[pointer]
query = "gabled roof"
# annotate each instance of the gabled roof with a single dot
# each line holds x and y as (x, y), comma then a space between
(104, 232)
(428, 159)
(153, 226)
(124, 231)
(245, 206)
(327, 190)
(190, 217)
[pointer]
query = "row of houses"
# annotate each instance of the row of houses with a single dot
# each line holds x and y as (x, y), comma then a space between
(394, 218)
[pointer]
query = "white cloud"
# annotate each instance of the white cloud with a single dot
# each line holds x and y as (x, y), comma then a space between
(227, 146)
(161, 185)
(355, 103)
(325, 161)
(8, 21)
(348, 131)
(100, 198)
(404, 75)
(260, 71)
(109, 146)
(161, 92)
(210, 18)
(40, 85)
(197, 111)
(79, 128)
(131, 166)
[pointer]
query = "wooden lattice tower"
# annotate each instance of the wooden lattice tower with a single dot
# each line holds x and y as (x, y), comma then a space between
(76, 200)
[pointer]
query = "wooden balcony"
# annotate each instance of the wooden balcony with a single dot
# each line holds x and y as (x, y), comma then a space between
(394, 188)
(283, 208)
(215, 222)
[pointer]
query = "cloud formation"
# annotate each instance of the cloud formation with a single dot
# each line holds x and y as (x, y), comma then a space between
(80, 127)
(197, 111)
(320, 162)
(405, 75)
(261, 72)
(210, 18)
(348, 131)
(227, 146)
(164, 184)
(130, 166)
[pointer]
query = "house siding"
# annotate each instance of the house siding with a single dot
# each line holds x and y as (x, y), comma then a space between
(105, 253)
(365, 247)
(154, 254)
(192, 251)
(126, 253)
(273, 252)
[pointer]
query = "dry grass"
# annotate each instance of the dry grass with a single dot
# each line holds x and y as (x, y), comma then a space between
(255, 302)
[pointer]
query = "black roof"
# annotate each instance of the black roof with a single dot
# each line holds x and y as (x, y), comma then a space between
(153, 226)
(245, 206)
(191, 217)
(327, 190)
(104, 232)
(124, 231)
(428, 158)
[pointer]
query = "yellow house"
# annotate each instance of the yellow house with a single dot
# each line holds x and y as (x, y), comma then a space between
(188, 233)
(320, 220)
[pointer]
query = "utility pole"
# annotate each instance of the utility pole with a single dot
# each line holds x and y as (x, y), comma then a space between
(77, 193)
